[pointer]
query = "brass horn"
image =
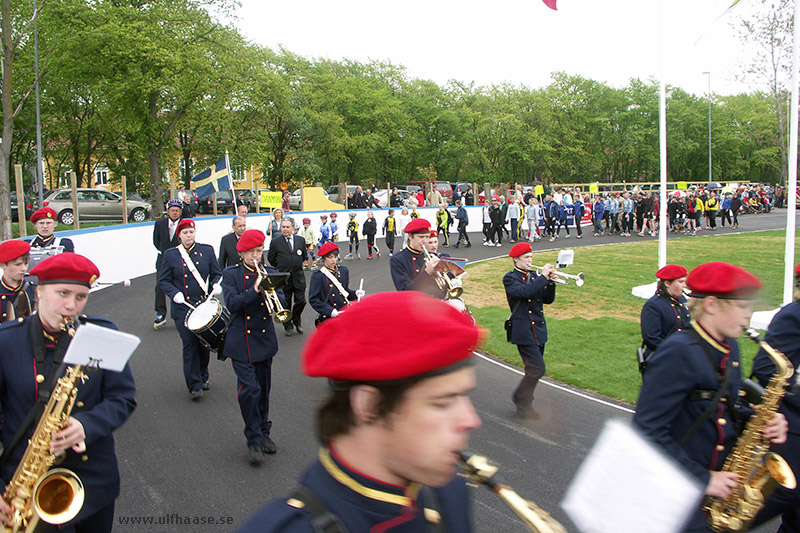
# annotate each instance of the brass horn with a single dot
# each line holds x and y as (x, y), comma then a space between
(579, 278)
(442, 276)
(269, 284)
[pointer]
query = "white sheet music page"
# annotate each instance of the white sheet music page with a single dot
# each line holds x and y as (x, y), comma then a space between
(108, 348)
(628, 485)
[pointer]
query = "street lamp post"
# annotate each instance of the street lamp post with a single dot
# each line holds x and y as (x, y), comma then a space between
(710, 168)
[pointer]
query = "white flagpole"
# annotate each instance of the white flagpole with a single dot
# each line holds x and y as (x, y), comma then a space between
(230, 180)
(662, 136)
(791, 196)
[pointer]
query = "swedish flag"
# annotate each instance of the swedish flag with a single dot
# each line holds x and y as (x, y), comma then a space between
(215, 178)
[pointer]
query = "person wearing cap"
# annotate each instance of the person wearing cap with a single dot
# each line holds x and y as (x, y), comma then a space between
(392, 426)
(14, 255)
(190, 273)
(286, 254)
(44, 220)
(329, 289)
(688, 400)
(324, 230)
(308, 234)
(352, 234)
(31, 353)
(784, 335)
(165, 236)
(334, 225)
(665, 312)
(410, 269)
(250, 341)
(526, 292)
(228, 254)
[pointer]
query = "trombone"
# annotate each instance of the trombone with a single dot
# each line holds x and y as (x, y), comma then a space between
(443, 280)
(269, 284)
(579, 279)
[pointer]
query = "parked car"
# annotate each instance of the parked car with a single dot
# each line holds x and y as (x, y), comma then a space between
(333, 193)
(410, 188)
(28, 207)
(482, 196)
(95, 204)
(248, 198)
(380, 196)
(224, 203)
(443, 187)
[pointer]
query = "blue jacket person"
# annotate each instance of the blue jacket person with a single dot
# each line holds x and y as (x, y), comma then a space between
(31, 351)
(14, 257)
(410, 271)
(251, 342)
(699, 368)
(392, 424)
(526, 293)
(180, 285)
(329, 298)
(665, 312)
(44, 220)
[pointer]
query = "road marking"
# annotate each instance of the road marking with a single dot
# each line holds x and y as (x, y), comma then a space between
(555, 385)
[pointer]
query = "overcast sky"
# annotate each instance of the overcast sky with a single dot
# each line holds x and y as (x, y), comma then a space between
(516, 41)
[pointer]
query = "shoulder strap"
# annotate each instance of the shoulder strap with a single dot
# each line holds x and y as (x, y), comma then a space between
(328, 274)
(322, 520)
(192, 268)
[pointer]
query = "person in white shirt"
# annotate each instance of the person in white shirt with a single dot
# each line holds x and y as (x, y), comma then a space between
(402, 221)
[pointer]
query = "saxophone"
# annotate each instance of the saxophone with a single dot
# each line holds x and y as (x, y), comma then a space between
(536, 519)
(37, 492)
(760, 471)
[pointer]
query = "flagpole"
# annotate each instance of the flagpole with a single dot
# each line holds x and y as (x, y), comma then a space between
(791, 196)
(662, 137)
(230, 180)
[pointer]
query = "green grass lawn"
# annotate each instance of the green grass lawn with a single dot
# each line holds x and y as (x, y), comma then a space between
(593, 331)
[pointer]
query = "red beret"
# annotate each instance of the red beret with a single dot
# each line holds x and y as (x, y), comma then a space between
(333, 214)
(418, 225)
(323, 216)
(434, 233)
(670, 272)
(339, 349)
(327, 248)
(66, 267)
(722, 280)
(521, 248)
(306, 220)
(184, 223)
(44, 212)
(250, 239)
(10, 250)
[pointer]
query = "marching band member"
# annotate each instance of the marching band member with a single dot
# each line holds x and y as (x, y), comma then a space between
(14, 255)
(328, 291)
(187, 272)
(689, 394)
(409, 268)
(784, 336)
(251, 342)
(526, 293)
(666, 311)
(392, 424)
(44, 220)
(31, 352)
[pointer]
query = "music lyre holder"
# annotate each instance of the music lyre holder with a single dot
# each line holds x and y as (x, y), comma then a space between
(274, 281)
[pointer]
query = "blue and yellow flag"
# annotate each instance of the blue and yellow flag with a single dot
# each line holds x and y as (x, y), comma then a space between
(215, 178)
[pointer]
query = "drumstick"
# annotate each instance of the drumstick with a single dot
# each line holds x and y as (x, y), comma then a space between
(361, 288)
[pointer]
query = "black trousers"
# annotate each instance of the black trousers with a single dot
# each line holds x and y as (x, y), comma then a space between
(295, 290)
(255, 381)
(195, 358)
(161, 298)
(533, 359)
(462, 233)
(390, 241)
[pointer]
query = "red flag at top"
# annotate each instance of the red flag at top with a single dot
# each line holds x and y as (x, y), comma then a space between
(551, 4)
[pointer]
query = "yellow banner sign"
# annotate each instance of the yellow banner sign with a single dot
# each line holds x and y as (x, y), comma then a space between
(593, 188)
(270, 199)
(538, 190)
(681, 185)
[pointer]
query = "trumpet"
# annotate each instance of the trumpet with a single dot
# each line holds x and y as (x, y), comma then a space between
(579, 279)
(536, 519)
(269, 284)
(443, 280)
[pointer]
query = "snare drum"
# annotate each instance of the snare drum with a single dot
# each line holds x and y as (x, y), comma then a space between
(209, 321)
(460, 305)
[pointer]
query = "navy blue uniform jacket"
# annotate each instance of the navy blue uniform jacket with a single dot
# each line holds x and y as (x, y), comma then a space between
(38, 242)
(324, 297)
(175, 277)
(661, 316)
(251, 333)
(104, 402)
(408, 273)
(526, 299)
(9, 296)
(362, 503)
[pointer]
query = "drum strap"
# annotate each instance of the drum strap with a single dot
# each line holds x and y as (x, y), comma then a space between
(336, 283)
(193, 269)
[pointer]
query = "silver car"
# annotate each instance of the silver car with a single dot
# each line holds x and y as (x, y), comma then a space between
(95, 204)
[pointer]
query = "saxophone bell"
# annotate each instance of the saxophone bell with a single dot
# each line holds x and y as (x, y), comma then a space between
(58, 496)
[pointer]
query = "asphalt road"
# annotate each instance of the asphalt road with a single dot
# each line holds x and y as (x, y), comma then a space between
(184, 464)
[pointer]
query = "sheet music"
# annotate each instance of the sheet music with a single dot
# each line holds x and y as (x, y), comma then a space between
(628, 485)
(107, 348)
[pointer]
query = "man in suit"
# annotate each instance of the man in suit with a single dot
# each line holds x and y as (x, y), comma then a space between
(228, 255)
(286, 253)
(165, 237)
(526, 292)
